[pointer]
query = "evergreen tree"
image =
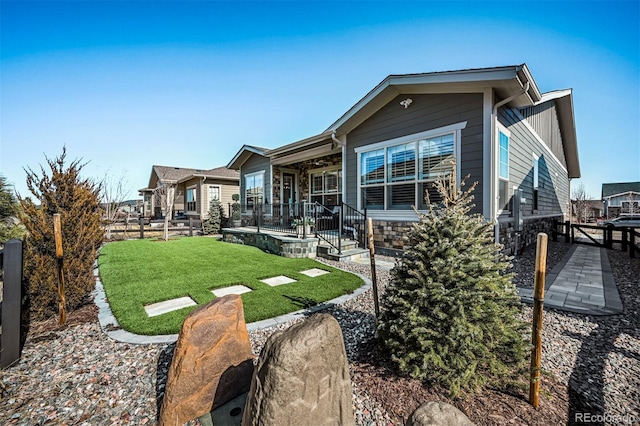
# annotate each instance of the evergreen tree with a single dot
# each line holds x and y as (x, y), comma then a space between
(78, 202)
(213, 224)
(9, 207)
(451, 308)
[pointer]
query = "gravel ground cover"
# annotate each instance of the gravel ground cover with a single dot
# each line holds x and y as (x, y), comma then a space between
(77, 375)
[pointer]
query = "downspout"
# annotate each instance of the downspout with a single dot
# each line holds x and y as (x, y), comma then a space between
(494, 166)
(336, 141)
(202, 207)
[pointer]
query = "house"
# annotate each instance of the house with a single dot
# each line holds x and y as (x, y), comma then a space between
(194, 189)
(621, 198)
(382, 156)
(587, 211)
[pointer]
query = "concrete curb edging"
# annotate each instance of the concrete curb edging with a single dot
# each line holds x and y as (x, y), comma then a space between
(110, 326)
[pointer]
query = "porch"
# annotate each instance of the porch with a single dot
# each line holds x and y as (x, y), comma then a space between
(299, 229)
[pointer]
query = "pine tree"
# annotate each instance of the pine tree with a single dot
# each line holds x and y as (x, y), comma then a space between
(9, 207)
(78, 202)
(213, 223)
(451, 308)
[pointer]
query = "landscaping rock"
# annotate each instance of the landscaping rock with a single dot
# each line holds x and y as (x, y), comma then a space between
(302, 377)
(212, 363)
(438, 414)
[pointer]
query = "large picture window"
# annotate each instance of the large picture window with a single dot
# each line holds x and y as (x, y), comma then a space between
(253, 189)
(399, 174)
(326, 186)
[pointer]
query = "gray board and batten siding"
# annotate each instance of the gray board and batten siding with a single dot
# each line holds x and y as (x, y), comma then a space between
(544, 120)
(256, 163)
(553, 182)
(427, 112)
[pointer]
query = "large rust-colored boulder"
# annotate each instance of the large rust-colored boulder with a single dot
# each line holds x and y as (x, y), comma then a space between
(302, 377)
(212, 362)
(436, 413)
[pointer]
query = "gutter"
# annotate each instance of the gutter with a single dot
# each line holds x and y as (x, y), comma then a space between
(494, 159)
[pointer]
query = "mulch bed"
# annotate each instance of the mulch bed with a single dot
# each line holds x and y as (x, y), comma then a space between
(400, 396)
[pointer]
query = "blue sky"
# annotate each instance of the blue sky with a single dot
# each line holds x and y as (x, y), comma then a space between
(125, 85)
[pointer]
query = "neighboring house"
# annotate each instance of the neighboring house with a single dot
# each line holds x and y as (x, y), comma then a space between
(384, 153)
(195, 189)
(621, 198)
(587, 210)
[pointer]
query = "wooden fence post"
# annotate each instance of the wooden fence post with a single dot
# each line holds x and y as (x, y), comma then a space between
(57, 230)
(374, 280)
(608, 239)
(141, 221)
(10, 338)
(567, 228)
(536, 335)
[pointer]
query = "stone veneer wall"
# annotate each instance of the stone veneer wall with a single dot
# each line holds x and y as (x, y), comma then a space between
(388, 234)
(303, 168)
(282, 246)
(532, 226)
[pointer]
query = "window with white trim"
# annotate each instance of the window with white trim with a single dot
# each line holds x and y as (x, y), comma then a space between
(191, 199)
(398, 174)
(326, 186)
(503, 171)
(214, 192)
(536, 181)
(253, 189)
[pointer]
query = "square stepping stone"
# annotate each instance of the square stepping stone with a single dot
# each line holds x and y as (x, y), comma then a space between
(160, 308)
(279, 280)
(234, 289)
(315, 272)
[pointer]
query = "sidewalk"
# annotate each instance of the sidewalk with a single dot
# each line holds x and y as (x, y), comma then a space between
(581, 282)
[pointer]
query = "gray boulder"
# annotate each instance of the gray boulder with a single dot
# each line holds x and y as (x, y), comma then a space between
(438, 414)
(302, 377)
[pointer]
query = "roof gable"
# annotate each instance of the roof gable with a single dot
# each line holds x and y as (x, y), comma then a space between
(612, 189)
(243, 154)
(506, 81)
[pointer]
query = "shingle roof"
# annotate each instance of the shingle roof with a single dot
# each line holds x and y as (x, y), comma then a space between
(168, 173)
(609, 189)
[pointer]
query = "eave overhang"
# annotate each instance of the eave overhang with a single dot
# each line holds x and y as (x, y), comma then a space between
(563, 100)
(505, 81)
(304, 149)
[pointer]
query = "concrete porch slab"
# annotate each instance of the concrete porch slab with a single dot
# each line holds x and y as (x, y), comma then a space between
(234, 289)
(314, 272)
(160, 308)
(279, 280)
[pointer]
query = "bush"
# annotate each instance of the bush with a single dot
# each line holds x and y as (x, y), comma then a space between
(9, 208)
(213, 224)
(77, 201)
(450, 310)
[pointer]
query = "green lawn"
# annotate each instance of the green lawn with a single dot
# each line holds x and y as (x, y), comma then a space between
(140, 272)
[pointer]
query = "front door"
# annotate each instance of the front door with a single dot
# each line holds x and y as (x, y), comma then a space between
(289, 189)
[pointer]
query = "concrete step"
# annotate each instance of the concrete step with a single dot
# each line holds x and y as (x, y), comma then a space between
(345, 256)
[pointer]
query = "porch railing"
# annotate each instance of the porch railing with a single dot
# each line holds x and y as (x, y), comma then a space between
(331, 224)
(273, 217)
